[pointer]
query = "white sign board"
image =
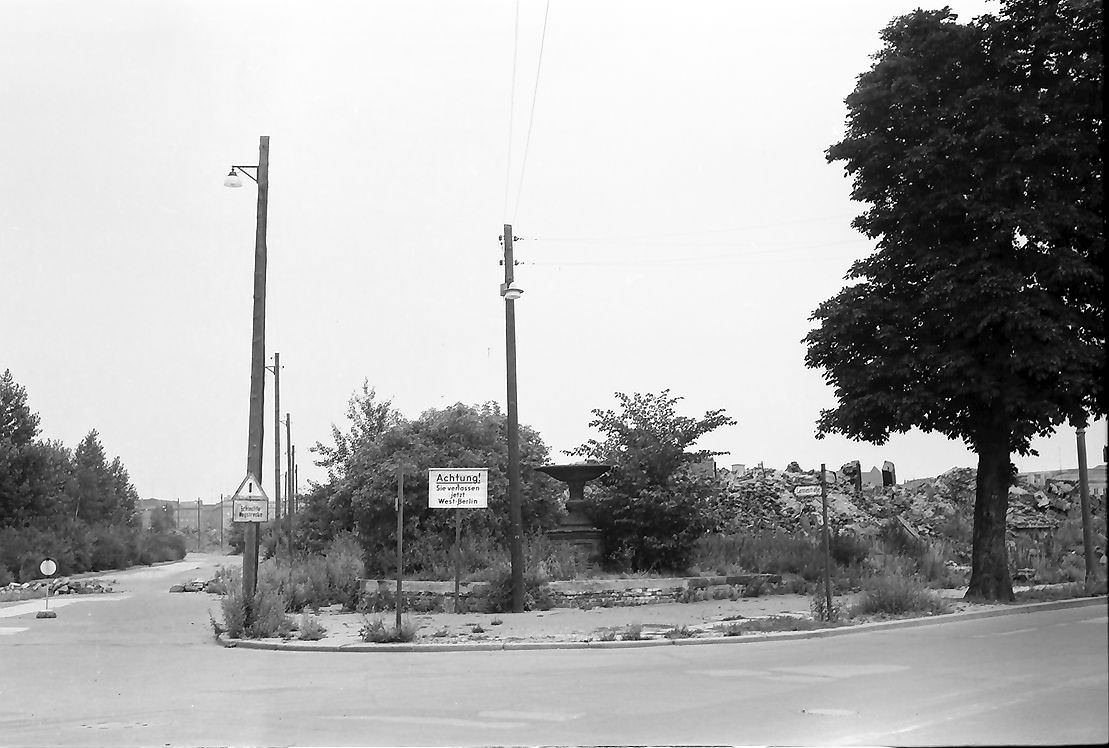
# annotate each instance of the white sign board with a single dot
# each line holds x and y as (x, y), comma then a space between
(463, 488)
(806, 491)
(250, 503)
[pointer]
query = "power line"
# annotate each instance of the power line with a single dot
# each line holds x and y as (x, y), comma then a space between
(531, 116)
(799, 252)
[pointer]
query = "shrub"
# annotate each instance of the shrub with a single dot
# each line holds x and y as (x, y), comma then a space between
(818, 604)
(679, 633)
(632, 632)
(897, 594)
(311, 629)
(377, 632)
(157, 547)
(847, 548)
(268, 608)
(497, 597)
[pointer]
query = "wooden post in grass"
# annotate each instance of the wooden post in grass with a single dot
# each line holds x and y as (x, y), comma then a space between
(400, 538)
(457, 554)
(827, 544)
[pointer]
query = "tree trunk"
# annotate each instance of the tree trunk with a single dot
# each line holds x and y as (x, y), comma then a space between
(989, 576)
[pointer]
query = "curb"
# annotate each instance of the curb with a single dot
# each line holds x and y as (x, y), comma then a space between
(523, 646)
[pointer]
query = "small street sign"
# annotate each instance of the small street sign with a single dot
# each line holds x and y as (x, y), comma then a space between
(250, 502)
(806, 491)
(458, 488)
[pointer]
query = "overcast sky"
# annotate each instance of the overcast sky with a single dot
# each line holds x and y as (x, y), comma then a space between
(679, 222)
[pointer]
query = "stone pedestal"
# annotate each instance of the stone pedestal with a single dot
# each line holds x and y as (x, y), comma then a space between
(576, 530)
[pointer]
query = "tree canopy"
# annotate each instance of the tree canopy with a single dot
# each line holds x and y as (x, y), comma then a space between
(652, 505)
(980, 315)
(362, 463)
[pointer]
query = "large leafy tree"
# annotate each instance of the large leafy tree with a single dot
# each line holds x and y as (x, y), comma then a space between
(980, 316)
(652, 505)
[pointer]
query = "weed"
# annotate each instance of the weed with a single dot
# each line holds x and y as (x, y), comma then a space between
(477, 629)
(608, 636)
(895, 594)
(774, 623)
(496, 622)
(756, 588)
(217, 627)
(820, 610)
(679, 633)
(633, 632)
(441, 633)
(377, 632)
(311, 629)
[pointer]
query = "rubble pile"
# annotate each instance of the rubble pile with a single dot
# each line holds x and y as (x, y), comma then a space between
(764, 499)
(62, 586)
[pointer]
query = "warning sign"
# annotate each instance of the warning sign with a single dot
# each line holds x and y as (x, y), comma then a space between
(250, 502)
(461, 488)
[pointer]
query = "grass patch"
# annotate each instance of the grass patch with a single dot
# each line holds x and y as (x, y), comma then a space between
(896, 595)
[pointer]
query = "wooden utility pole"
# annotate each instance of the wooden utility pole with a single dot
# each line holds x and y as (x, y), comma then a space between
(198, 524)
(1084, 491)
(255, 426)
(400, 539)
(515, 514)
(277, 450)
(827, 545)
(289, 482)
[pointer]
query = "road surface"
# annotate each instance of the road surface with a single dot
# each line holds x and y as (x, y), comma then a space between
(141, 668)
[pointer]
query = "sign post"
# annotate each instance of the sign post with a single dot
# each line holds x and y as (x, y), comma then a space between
(458, 488)
(827, 544)
(250, 502)
(47, 567)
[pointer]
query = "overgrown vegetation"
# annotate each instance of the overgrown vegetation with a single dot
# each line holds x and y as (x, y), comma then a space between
(897, 595)
(375, 631)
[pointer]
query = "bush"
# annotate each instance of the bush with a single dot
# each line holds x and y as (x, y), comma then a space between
(497, 597)
(268, 611)
(157, 547)
(311, 629)
(847, 548)
(819, 606)
(376, 632)
(897, 594)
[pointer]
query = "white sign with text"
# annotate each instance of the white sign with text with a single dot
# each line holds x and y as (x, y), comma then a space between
(458, 488)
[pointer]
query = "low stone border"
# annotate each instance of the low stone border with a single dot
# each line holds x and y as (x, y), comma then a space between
(422, 595)
(517, 646)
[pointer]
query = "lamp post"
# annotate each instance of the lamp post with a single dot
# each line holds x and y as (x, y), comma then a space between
(510, 291)
(255, 427)
(276, 370)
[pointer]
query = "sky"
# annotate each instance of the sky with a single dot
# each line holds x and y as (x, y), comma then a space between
(662, 163)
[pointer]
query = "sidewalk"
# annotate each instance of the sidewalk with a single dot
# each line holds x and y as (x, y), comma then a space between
(563, 628)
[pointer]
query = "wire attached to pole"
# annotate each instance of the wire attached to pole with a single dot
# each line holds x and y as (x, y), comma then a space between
(511, 107)
(531, 115)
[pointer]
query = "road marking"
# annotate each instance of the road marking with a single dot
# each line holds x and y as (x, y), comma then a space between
(1103, 620)
(831, 712)
(11, 629)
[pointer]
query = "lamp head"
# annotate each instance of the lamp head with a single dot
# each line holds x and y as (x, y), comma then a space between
(233, 179)
(511, 292)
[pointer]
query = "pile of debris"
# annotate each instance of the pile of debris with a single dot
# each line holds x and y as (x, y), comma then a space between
(63, 586)
(764, 498)
(215, 586)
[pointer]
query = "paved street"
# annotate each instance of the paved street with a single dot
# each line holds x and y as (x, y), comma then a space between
(141, 668)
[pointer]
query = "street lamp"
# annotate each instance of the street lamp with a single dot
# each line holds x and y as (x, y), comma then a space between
(261, 177)
(510, 291)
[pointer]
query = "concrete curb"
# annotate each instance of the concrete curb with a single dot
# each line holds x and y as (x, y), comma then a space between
(522, 646)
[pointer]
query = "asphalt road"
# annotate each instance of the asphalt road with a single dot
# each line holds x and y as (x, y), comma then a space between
(141, 668)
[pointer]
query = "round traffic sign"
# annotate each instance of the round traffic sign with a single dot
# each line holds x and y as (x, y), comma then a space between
(48, 567)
